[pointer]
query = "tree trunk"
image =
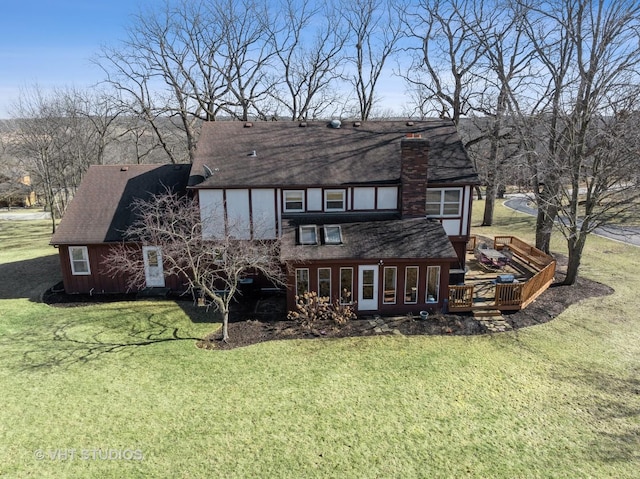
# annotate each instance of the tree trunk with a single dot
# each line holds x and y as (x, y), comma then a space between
(490, 203)
(575, 247)
(478, 192)
(225, 325)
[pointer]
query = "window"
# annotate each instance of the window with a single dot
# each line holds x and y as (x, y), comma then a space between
(443, 202)
(332, 234)
(433, 284)
(346, 285)
(79, 257)
(390, 273)
(324, 282)
(411, 285)
(294, 201)
(334, 200)
(308, 234)
(302, 281)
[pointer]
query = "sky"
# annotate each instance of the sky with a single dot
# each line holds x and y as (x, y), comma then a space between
(50, 43)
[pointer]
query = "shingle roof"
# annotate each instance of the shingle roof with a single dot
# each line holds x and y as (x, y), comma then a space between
(288, 154)
(101, 210)
(393, 239)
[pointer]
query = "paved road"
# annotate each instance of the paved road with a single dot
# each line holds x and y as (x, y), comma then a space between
(17, 214)
(624, 234)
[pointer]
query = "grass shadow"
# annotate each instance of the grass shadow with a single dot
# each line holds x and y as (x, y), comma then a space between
(80, 341)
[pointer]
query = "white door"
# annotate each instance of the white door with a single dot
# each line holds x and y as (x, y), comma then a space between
(153, 272)
(367, 288)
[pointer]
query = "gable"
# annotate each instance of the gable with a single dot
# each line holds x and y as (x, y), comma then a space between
(102, 209)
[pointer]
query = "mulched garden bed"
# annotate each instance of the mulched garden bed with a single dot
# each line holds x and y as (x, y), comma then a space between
(264, 319)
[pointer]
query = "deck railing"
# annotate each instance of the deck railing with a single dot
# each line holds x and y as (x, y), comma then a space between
(510, 296)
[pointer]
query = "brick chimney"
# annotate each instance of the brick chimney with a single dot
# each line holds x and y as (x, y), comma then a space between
(413, 173)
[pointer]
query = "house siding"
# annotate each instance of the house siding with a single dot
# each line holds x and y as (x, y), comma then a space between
(99, 281)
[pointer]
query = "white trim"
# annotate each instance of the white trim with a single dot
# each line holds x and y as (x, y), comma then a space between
(325, 280)
(326, 200)
(350, 286)
(84, 260)
(417, 283)
(308, 280)
(395, 284)
(326, 235)
(437, 292)
(284, 201)
(153, 273)
(442, 202)
(314, 228)
(367, 304)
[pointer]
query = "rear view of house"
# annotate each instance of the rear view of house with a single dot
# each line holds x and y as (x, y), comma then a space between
(375, 214)
(372, 213)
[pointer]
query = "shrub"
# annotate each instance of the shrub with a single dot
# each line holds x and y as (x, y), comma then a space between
(311, 308)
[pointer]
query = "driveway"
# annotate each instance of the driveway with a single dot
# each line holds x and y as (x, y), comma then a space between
(18, 214)
(624, 234)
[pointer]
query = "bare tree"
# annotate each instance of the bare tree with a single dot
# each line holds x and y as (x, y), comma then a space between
(376, 28)
(442, 72)
(212, 267)
(309, 67)
(596, 129)
(506, 68)
(58, 134)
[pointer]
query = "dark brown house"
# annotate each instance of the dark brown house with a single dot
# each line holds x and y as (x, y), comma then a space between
(376, 213)
(372, 213)
(98, 216)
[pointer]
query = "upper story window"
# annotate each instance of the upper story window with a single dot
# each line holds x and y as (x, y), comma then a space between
(444, 201)
(334, 200)
(79, 257)
(293, 201)
(332, 234)
(308, 234)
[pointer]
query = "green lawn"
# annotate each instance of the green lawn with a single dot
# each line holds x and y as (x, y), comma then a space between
(557, 400)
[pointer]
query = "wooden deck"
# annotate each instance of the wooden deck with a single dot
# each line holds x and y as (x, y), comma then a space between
(533, 272)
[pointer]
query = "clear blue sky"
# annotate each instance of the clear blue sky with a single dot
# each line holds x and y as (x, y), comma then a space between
(51, 42)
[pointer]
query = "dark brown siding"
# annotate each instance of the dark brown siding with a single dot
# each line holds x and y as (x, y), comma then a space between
(99, 281)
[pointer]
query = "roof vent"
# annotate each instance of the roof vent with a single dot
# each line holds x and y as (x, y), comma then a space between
(124, 168)
(335, 124)
(253, 154)
(248, 124)
(302, 124)
(409, 123)
(207, 171)
(357, 123)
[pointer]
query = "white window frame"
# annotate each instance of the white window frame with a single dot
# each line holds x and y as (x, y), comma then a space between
(302, 270)
(351, 290)
(324, 280)
(284, 201)
(395, 285)
(344, 200)
(327, 240)
(85, 259)
(313, 228)
(437, 291)
(441, 204)
(417, 283)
